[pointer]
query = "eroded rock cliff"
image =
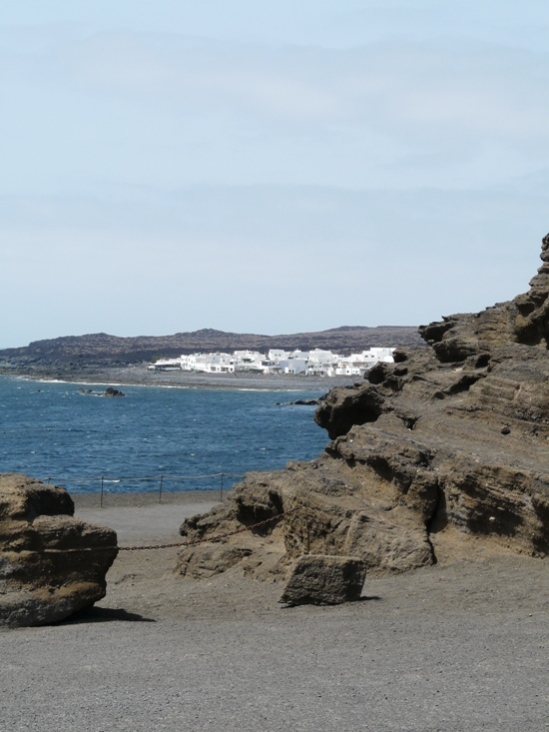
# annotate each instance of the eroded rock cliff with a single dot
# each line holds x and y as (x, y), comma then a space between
(443, 452)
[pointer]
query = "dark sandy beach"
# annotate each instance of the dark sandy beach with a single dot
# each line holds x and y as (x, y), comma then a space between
(140, 375)
(459, 647)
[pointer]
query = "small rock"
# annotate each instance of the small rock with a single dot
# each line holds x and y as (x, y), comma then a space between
(323, 579)
(110, 392)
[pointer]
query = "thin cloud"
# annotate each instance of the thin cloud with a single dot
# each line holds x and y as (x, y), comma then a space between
(291, 167)
(212, 102)
(269, 259)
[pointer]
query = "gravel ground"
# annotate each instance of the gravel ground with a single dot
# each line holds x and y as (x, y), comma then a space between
(139, 517)
(456, 647)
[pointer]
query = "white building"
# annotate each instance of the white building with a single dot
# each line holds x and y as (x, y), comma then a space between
(317, 362)
(166, 364)
(276, 354)
(250, 361)
(357, 363)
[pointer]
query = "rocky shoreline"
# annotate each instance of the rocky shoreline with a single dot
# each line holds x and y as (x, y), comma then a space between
(431, 457)
(441, 458)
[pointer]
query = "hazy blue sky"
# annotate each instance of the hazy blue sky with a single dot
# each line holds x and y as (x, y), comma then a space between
(267, 167)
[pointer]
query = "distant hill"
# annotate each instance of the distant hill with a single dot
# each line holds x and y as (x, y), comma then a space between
(107, 350)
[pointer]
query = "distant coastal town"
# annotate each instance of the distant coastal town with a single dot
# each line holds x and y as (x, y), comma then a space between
(317, 362)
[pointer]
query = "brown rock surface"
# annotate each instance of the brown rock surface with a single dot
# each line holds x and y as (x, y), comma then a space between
(436, 454)
(205, 561)
(51, 564)
(321, 579)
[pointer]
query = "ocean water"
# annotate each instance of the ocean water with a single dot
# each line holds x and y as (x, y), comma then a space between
(190, 437)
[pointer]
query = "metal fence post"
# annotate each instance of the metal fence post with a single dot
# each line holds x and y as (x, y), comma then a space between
(160, 489)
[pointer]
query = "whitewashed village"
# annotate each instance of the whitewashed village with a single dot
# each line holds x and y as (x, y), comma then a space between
(316, 362)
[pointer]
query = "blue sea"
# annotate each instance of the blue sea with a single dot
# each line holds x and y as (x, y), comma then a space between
(187, 439)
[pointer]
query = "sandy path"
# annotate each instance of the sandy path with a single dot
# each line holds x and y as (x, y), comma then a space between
(145, 523)
(456, 648)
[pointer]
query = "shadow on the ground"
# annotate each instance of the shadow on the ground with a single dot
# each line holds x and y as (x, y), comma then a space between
(362, 598)
(104, 615)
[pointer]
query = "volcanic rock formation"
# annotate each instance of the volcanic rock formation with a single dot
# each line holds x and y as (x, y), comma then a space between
(444, 451)
(51, 564)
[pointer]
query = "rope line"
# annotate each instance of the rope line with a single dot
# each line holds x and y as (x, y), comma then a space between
(204, 540)
(212, 539)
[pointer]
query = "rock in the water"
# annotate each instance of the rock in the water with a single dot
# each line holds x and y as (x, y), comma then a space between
(436, 455)
(321, 579)
(51, 564)
(112, 392)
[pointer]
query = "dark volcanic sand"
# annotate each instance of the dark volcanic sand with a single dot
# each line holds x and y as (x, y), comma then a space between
(461, 647)
(140, 375)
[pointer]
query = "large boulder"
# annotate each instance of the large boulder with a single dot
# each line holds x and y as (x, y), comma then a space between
(51, 564)
(320, 579)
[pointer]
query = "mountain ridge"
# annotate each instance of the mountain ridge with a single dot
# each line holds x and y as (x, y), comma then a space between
(105, 349)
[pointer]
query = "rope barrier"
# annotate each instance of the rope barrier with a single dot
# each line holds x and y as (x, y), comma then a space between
(171, 545)
(210, 539)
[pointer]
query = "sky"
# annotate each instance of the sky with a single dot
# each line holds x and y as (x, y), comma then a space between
(267, 167)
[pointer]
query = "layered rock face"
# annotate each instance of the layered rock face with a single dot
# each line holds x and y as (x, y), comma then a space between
(51, 564)
(444, 451)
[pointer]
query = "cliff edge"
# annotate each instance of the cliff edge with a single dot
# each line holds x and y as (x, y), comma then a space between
(442, 453)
